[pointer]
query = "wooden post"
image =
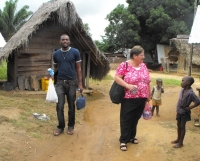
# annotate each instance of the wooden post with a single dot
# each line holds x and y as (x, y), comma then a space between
(15, 68)
(190, 64)
(83, 68)
(88, 71)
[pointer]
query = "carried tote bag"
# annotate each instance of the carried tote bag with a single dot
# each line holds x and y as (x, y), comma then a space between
(117, 92)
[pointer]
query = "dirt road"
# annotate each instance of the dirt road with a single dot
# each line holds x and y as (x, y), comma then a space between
(97, 133)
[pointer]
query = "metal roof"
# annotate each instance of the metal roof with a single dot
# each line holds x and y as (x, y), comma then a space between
(195, 32)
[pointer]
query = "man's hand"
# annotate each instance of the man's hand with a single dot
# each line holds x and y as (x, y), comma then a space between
(80, 88)
(188, 108)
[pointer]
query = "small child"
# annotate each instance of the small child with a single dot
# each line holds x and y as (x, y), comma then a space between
(183, 109)
(156, 96)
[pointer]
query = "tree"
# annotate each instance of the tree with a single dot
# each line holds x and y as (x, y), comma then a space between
(161, 20)
(104, 45)
(87, 28)
(11, 20)
(148, 22)
(122, 32)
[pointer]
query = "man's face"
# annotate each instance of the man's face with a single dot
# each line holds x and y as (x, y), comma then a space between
(64, 41)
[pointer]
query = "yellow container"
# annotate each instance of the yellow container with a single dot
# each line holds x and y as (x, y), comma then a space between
(43, 84)
(46, 83)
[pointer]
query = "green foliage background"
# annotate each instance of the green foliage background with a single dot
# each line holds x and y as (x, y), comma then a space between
(146, 23)
(3, 70)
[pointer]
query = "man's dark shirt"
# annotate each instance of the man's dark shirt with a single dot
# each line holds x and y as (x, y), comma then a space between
(66, 62)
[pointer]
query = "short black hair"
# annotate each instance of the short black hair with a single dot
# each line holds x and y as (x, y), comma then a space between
(136, 50)
(158, 80)
(64, 35)
(190, 79)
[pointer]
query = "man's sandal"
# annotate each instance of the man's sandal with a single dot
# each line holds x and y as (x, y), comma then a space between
(57, 132)
(70, 131)
(123, 147)
(134, 141)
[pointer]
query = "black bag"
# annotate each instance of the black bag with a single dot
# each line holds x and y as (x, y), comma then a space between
(117, 92)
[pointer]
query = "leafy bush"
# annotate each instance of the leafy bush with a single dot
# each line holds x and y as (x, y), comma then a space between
(3, 70)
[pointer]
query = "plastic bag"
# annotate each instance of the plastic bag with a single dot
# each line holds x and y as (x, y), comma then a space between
(147, 114)
(51, 93)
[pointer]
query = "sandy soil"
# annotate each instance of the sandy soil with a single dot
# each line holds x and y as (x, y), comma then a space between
(97, 133)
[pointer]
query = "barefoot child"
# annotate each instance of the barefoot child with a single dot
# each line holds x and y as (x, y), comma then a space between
(156, 96)
(183, 109)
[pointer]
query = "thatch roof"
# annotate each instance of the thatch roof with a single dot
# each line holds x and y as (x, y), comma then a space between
(183, 47)
(65, 13)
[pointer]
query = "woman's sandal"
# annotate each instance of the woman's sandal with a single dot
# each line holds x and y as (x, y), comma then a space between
(57, 132)
(134, 141)
(123, 147)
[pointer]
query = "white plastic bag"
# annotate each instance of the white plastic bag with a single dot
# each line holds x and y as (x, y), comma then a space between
(51, 93)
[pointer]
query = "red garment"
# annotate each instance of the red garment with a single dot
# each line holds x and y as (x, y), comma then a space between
(135, 76)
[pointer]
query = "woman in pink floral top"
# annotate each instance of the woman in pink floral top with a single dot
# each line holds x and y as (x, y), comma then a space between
(136, 84)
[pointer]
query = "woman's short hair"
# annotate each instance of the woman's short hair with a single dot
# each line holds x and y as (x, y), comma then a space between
(136, 50)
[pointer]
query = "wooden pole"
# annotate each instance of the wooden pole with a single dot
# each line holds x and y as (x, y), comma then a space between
(190, 67)
(78, 40)
(83, 68)
(167, 64)
(88, 71)
(15, 67)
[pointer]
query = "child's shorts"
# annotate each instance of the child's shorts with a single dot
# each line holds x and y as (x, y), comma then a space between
(183, 117)
(156, 102)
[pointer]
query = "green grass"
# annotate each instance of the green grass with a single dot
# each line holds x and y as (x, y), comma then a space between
(108, 77)
(3, 70)
(168, 82)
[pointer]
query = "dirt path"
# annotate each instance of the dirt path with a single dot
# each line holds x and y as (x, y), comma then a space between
(97, 137)
(97, 133)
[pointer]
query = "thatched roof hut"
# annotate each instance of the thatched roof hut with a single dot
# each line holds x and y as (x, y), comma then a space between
(181, 45)
(30, 50)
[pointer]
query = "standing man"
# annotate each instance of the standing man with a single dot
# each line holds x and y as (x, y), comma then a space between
(67, 62)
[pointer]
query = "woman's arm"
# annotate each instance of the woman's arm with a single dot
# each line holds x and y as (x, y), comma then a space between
(148, 99)
(120, 81)
(151, 92)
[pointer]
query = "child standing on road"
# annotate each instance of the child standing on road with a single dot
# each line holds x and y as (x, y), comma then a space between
(156, 96)
(183, 109)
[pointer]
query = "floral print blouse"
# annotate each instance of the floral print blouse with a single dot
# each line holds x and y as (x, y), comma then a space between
(135, 76)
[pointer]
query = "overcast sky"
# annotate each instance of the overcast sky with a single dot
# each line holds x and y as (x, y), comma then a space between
(92, 12)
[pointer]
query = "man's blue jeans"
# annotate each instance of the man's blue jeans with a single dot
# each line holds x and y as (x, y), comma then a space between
(68, 90)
